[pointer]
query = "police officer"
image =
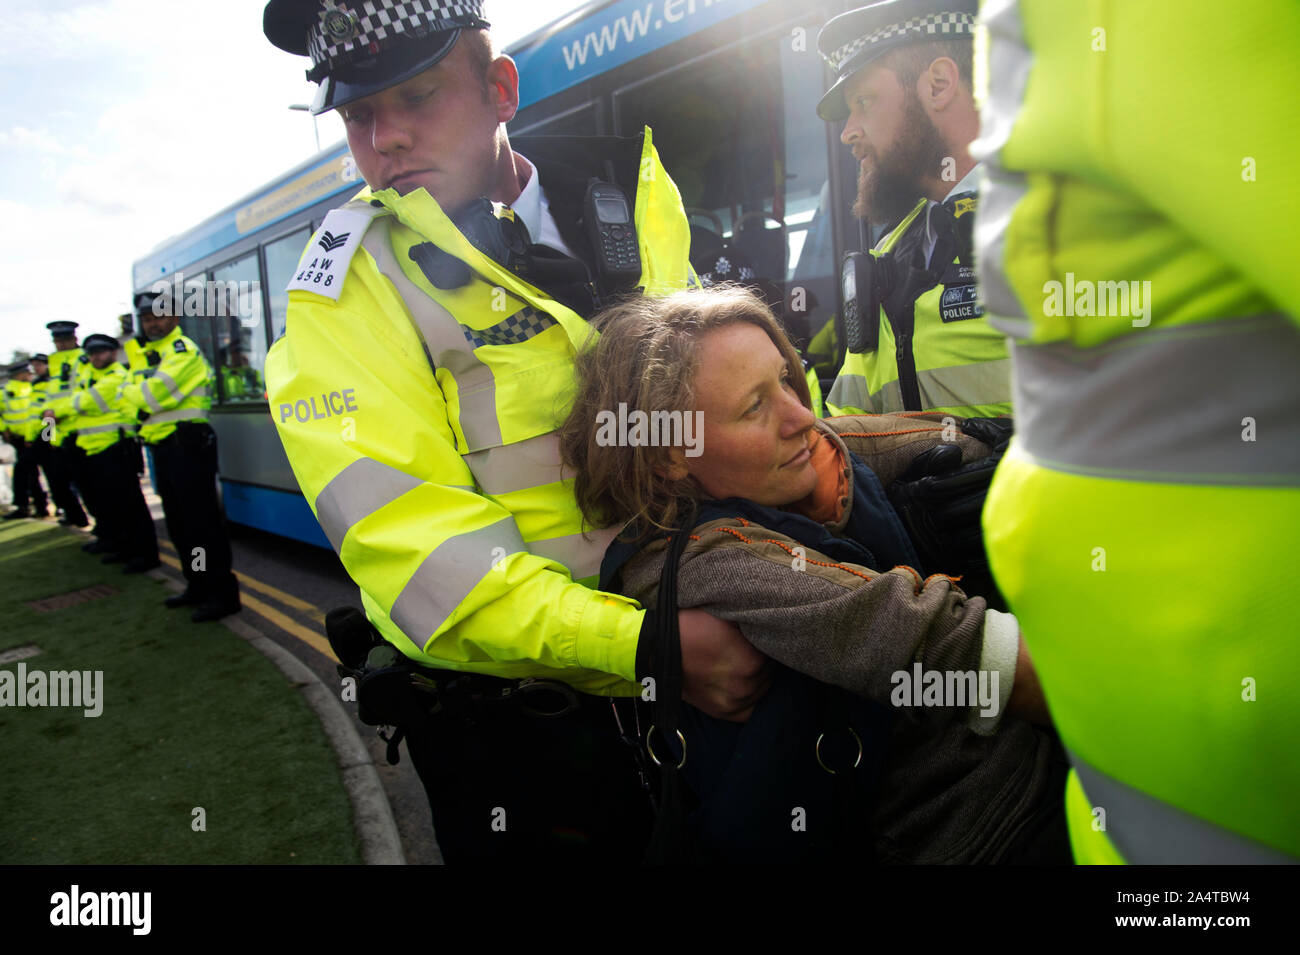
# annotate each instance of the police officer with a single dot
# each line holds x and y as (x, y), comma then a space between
(1138, 523)
(171, 399)
(63, 364)
(417, 390)
(39, 434)
(105, 436)
(902, 93)
(21, 423)
(239, 379)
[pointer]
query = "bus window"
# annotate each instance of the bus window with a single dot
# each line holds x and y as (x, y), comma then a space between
(240, 333)
(281, 259)
(581, 121)
(196, 325)
(739, 134)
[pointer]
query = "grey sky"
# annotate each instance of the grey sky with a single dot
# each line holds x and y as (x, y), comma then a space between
(123, 122)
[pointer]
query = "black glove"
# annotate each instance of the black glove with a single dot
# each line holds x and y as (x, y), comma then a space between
(351, 636)
(385, 692)
(142, 416)
(940, 499)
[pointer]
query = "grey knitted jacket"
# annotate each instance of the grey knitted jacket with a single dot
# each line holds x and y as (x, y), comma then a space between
(957, 787)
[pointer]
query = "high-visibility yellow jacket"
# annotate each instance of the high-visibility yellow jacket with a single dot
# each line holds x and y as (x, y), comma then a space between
(1142, 523)
(956, 362)
(64, 367)
(419, 423)
(136, 363)
(65, 415)
(103, 417)
(175, 386)
(16, 410)
(40, 397)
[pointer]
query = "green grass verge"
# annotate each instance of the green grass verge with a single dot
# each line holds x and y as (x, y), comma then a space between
(193, 717)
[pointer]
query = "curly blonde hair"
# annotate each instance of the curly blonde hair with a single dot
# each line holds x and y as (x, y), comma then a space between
(646, 358)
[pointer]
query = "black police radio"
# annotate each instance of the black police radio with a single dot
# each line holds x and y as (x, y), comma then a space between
(613, 236)
(504, 239)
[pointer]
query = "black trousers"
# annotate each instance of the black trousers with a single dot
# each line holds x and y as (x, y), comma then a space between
(504, 785)
(113, 486)
(54, 462)
(185, 465)
(27, 480)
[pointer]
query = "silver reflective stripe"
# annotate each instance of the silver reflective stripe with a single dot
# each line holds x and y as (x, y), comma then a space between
(99, 400)
(149, 399)
(448, 574)
(445, 343)
(850, 391)
(514, 467)
(1167, 404)
(100, 428)
(170, 382)
(998, 198)
(356, 492)
(581, 555)
(179, 414)
(1147, 831)
(981, 383)
(1009, 64)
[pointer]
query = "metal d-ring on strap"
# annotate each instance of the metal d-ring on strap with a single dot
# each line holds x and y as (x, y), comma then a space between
(651, 750)
(817, 749)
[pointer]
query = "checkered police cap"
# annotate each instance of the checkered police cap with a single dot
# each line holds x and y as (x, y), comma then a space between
(852, 40)
(360, 47)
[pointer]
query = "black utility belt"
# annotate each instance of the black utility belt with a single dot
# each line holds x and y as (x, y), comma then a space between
(538, 698)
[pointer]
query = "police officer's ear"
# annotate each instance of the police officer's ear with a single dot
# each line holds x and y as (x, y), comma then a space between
(939, 84)
(503, 87)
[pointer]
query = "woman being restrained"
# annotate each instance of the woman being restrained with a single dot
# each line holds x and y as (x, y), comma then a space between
(795, 541)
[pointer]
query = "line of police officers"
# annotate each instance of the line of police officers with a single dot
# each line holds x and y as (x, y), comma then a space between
(82, 420)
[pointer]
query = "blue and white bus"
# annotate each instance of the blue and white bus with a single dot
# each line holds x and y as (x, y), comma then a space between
(729, 88)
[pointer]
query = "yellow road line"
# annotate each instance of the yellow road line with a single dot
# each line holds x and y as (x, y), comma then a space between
(289, 600)
(291, 626)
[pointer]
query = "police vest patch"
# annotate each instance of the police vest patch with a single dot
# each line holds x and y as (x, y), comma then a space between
(178, 345)
(324, 265)
(958, 299)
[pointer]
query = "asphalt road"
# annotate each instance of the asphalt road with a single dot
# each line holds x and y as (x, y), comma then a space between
(287, 588)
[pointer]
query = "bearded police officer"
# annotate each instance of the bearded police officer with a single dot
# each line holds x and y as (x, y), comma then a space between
(171, 398)
(417, 390)
(917, 339)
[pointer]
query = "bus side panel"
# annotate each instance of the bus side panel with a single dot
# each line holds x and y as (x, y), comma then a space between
(258, 486)
(276, 511)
